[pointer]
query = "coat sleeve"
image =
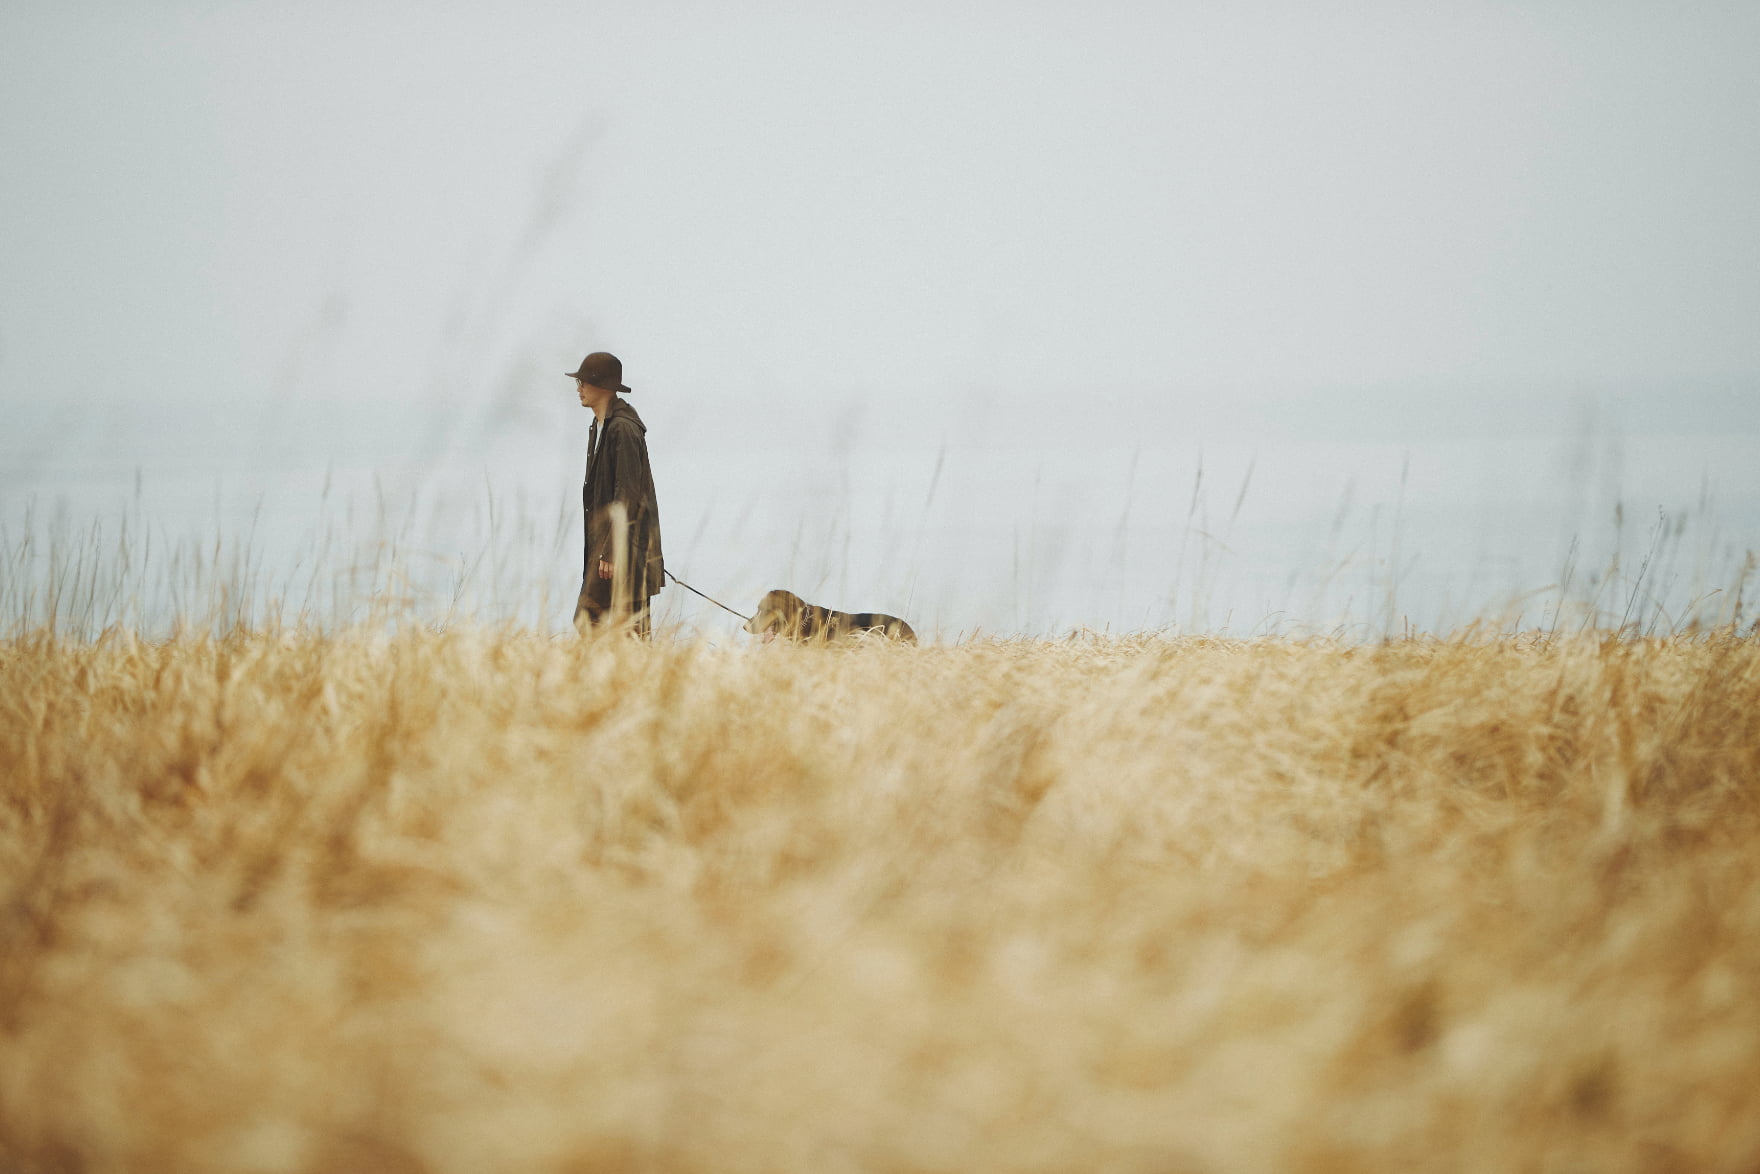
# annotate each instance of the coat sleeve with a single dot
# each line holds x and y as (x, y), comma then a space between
(626, 458)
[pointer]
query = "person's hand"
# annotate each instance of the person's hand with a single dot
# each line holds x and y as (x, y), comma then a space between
(604, 569)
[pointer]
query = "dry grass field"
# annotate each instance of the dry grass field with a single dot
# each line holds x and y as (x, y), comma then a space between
(478, 900)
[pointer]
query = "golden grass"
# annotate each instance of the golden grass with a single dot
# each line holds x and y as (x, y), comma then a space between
(476, 900)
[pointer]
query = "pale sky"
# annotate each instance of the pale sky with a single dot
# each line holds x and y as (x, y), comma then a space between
(251, 238)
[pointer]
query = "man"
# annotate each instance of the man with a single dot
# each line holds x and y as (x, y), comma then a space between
(623, 568)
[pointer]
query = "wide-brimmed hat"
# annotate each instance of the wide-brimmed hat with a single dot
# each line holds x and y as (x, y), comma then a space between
(601, 370)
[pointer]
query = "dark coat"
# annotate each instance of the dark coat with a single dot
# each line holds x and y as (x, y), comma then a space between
(617, 471)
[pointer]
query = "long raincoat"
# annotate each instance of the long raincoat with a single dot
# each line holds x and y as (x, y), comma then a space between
(617, 471)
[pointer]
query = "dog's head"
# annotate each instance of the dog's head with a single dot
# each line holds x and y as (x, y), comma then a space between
(778, 614)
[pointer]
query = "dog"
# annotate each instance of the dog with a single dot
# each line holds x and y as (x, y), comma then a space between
(785, 614)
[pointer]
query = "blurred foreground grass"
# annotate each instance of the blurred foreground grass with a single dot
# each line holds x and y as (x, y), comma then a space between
(479, 899)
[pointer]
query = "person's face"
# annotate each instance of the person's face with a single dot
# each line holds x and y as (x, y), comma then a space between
(586, 389)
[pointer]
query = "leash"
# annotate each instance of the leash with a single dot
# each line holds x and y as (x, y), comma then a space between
(711, 599)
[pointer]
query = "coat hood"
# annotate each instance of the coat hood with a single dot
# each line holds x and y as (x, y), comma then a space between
(620, 410)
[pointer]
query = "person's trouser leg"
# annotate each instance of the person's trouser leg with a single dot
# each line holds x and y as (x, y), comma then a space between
(594, 609)
(590, 606)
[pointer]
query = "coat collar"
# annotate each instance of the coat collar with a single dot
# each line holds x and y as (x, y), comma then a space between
(619, 410)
